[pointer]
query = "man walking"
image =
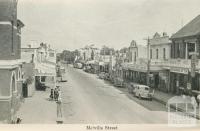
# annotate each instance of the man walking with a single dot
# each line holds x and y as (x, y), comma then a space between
(56, 93)
(59, 108)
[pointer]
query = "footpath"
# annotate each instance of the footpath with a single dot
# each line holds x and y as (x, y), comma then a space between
(164, 98)
(38, 109)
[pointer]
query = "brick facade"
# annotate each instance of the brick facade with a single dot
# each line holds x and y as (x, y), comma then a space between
(9, 95)
(10, 67)
(9, 31)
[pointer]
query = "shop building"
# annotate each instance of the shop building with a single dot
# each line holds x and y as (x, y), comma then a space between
(45, 67)
(184, 70)
(135, 69)
(159, 51)
(138, 70)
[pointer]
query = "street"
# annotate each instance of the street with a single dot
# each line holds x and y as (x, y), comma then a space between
(87, 99)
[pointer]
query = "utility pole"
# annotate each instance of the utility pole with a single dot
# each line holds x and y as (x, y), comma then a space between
(148, 62)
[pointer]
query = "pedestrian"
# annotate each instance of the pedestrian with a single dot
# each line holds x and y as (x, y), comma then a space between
(193, 101)
(198, 100)
(51, 94)
(59, 105)
(56, 93)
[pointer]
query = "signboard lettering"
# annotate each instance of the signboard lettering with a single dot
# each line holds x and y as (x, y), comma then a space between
(179, 70)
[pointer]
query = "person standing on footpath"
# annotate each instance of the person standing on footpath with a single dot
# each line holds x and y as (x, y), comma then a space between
(59, 108)
(56, 93)
(51, 94)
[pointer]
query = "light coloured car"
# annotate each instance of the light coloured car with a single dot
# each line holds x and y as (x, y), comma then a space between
(143, 91)
(78, 65)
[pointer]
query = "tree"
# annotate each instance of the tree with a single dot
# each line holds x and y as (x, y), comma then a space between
(106, 50)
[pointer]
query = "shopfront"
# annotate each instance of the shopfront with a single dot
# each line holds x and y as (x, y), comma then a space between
(179, 80)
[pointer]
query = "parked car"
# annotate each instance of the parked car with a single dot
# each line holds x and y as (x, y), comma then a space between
(87, 68)
(102, 75)
(143, 91)
(78, 65)
(118, 82)
(107, 76)
(131, 87)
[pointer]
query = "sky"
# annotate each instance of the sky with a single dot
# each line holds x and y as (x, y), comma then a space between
(72, 24)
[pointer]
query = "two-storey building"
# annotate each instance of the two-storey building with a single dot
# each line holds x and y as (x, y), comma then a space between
(45, 66)
(159, 51)
(145, 63)
(10, 62)
(183, 74)
(135, 68)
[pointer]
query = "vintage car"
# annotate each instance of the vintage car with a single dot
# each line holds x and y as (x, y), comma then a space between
(102, 75)
(118, 82)
(143, 91)
(78, 65)
(107, 76)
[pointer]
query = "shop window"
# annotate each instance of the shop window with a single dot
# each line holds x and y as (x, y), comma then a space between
(13, 82)
(19, 74)
(43, 78)
(150, 53)
(191, 48)
(135, 57)
(164, 53)
(156, 53)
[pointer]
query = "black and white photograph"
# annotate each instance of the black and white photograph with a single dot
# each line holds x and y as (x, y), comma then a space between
(100, 63)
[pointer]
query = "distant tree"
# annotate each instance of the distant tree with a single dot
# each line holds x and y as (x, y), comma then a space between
(123, 50)
(106, 50)
(66, 55)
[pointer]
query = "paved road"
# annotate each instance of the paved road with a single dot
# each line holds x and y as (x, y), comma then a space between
(87, 99)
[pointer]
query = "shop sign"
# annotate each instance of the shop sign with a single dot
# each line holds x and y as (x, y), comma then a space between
(138, 67)
(179, 70)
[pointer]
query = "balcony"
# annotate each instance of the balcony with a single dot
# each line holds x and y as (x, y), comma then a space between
(184, 63)
(156, 62)
(181, 63)
(159, 64)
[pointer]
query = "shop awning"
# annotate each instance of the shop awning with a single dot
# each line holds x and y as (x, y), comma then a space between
(45, 69)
